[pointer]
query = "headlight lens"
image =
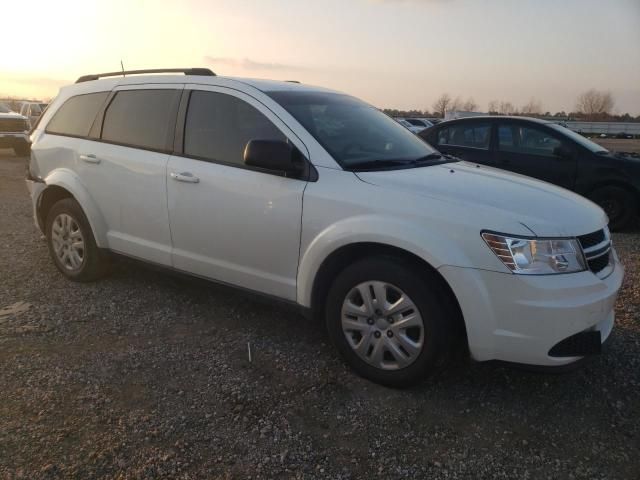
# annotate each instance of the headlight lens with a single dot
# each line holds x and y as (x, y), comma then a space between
(537, 256)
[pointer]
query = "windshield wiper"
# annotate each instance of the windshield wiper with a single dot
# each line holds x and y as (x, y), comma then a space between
(374, 164)
(428, 158)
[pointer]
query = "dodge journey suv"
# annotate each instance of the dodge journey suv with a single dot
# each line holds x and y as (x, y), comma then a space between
(316, 198)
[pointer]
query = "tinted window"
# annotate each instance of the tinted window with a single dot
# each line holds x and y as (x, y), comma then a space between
(141, 118)
(219, 126)
(352, 131)
(527, 140)
(476, 135)
(77, 114)
(576, 137)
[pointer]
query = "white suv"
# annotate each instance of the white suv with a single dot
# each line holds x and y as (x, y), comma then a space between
(316, 198)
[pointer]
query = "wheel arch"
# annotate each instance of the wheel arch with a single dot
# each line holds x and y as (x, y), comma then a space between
(65, 184)
(345, 255)
(615, 182)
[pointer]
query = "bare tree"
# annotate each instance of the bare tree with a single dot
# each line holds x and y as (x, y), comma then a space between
(494, 105)
(470, 105)
(595, 104)
(533, 107)
(506, 108)
(442, 104)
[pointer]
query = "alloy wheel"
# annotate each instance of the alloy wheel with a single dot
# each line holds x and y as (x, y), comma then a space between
(67, 242)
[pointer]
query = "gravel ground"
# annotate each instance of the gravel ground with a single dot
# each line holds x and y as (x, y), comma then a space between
(145, 375)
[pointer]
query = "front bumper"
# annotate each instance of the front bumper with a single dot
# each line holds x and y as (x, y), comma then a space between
(520, 318)
(13, 139)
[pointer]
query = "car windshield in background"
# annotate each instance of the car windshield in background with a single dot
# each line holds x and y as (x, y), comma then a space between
(357, 135)
(585, 142)
(4, 108)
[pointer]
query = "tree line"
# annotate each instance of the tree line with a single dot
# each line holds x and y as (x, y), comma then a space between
(592, 105)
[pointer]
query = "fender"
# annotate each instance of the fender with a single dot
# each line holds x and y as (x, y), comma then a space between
(67, 179)
(373, 228)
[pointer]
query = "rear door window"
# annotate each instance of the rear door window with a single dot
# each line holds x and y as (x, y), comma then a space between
(142, 118)
(474, 135)
(526, 140)
(75, 117)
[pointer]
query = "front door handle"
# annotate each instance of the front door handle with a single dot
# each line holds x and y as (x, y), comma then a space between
(89, 158)
(186, 177)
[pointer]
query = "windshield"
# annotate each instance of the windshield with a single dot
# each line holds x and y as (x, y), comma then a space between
(576, 137)
(353, 132)
(4, 108)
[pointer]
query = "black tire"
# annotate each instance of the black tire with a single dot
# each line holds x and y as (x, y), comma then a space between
(22, 150)
(619, 205)
(95, 261)
(426, 292)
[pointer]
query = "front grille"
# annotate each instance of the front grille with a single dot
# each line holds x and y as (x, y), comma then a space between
(592, 239)
(12, 125)
(597, 249)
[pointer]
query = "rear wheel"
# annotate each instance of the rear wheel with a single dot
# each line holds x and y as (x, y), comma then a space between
(619, 205)
(71, 243)
(388, 321)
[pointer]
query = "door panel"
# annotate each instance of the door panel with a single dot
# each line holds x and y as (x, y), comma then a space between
(228, 222)
(235, 225)
(532, 151)
(130, 188)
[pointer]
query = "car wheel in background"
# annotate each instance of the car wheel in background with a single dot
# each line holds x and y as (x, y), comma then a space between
(71, 243)
(619, 205)
(388, 320)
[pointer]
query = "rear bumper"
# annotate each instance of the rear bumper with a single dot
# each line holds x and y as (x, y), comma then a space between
(35, 188)
(520, 319)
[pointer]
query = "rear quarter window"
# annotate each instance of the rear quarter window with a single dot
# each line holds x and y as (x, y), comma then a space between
(76, 115)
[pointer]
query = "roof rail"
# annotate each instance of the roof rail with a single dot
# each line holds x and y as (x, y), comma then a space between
(187, 71)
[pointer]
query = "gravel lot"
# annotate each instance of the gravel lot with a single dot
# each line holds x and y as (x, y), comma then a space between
(145, 375)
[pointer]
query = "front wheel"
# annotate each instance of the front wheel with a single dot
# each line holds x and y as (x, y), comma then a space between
(388, 320)
(619, 205)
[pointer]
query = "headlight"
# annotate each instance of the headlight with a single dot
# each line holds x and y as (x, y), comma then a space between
(537, 256)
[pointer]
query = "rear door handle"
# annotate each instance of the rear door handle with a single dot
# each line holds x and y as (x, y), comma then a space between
(89, 158)
(186, 177)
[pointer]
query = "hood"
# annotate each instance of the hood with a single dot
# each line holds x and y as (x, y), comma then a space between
(12, 115)
(543, 208)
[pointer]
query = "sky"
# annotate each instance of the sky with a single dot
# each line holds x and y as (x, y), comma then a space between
(392, 53)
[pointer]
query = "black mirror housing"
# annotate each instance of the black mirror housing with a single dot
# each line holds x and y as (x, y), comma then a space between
(274, 155)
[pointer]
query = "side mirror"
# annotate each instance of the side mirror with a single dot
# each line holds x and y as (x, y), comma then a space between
(274, 155)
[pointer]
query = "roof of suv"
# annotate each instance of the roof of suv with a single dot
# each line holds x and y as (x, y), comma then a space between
(259, 84)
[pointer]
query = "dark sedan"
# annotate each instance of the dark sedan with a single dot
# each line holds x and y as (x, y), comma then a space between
(549, 152)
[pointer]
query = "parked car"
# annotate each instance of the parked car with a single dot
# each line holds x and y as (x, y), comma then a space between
(421, 123)
(406, 125)
(14, 131)
(547, 151)
(409, 125)
(623, 135)
(32, 110)
(402, 251)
